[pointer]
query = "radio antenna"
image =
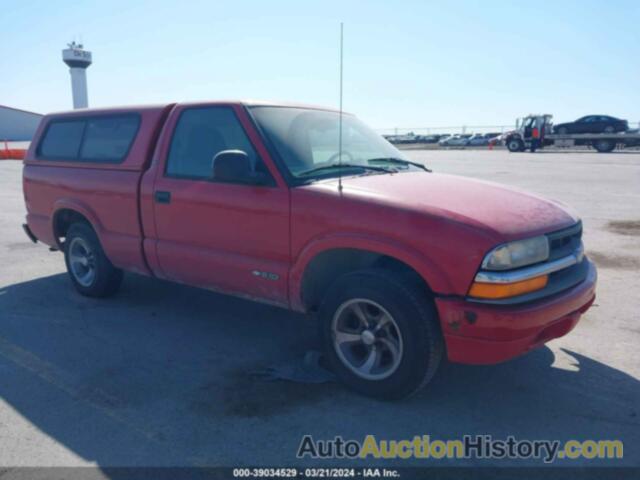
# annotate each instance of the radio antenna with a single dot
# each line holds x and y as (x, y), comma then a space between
(340, 119)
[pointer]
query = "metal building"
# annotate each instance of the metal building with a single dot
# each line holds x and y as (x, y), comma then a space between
(16, 124)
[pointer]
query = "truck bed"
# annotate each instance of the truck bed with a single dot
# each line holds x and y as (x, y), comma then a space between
(105, 193)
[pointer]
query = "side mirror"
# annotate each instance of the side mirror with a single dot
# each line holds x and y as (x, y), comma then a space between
(234, 166)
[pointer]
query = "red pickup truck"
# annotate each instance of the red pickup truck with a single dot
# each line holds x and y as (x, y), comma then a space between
(399, 265)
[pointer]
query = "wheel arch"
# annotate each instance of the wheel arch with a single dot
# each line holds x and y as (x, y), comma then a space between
(326, 259)
(67, 212)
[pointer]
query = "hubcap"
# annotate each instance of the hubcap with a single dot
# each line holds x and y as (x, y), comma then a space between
(82, 262)
(367, 339)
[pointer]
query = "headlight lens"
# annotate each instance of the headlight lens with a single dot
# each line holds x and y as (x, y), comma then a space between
(517, 254)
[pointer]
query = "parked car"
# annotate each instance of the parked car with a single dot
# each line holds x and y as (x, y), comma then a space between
(399, 265)
(428, 138)
(478, 140)
(496, 140)
(592, 124)
(400, 139)
(455, 141)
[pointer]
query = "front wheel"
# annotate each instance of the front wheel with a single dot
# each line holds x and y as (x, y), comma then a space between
(515, 145)
(90, 270)
(381, 334)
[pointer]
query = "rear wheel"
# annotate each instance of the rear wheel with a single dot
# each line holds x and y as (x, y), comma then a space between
(609, 129)
(381, 334)
(563, 130)
(604, 146)
(515, 145)
(90, 270)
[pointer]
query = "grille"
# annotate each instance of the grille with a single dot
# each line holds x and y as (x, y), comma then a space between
(564, 242)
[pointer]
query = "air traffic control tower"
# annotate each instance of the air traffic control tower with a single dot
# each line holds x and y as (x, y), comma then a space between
(78, 61)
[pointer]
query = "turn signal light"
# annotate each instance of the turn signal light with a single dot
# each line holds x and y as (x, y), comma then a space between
(494, 291)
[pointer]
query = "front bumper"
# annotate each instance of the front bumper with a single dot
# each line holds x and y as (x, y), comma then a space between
(484, 334)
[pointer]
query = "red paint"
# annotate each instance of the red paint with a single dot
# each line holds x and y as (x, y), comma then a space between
(215, 235)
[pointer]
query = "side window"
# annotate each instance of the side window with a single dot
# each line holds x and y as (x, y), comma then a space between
(108, 139)
(62, 140)
(89, 139)
(200, 134)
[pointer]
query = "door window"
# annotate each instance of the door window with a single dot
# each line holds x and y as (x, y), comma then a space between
(200, 134)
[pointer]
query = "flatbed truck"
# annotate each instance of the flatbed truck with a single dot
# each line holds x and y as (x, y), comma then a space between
(520, 139)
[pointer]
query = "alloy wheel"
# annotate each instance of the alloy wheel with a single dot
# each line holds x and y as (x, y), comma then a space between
(367, 339)
(82, 261)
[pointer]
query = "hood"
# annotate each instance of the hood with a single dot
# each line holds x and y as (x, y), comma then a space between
(502, 211)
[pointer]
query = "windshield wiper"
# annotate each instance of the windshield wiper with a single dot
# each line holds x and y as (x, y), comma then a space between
(399, 161)
(333, 166)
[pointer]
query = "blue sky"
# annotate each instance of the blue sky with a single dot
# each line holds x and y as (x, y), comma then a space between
(407, 63)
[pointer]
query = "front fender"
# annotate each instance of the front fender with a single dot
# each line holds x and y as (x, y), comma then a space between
(435, 277)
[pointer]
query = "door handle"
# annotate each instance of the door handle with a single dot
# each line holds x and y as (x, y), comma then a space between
(162, 197)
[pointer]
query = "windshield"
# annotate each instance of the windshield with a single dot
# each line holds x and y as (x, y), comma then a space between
(307, 142)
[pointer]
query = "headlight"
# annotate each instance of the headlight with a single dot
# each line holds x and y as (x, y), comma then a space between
(517, 254)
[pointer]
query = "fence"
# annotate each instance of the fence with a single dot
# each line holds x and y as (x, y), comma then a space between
(13, 150)
(461, 129)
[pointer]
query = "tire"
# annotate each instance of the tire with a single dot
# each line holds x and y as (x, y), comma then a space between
(609, 129)
(90, 270)
(515, 145)
(399, 315)
(604, 146)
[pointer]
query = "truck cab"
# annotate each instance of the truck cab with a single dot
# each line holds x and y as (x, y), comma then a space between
(520, 139)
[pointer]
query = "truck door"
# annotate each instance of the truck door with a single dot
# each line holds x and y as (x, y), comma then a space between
(528, 128)
(231, 236)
